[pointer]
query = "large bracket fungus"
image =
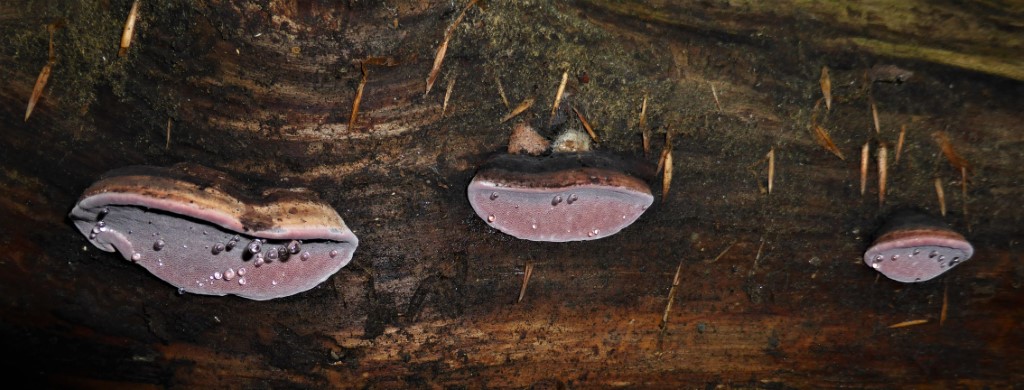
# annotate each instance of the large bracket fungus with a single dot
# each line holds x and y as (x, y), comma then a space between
(914, 247)
(196, 229)
(565, 196)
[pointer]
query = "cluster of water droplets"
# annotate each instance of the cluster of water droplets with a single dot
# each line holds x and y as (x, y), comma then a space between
(161, 240)
(572, 198)
(100, 226)
(222, 247)
(261, 254)
(555, 201)
(230, 274)
(257, 250)
(934, 254)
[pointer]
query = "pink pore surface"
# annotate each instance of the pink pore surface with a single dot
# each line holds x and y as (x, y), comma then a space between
(916, 257)
(187, 258)
(557, 214)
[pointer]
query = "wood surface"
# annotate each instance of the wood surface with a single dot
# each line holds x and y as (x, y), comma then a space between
(771, 289)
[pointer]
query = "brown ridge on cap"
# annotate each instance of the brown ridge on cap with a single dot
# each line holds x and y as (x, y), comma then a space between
(567, 169)
(931, 232)
(203, 188)
(198, 175)
(564, 178)
(569, 161)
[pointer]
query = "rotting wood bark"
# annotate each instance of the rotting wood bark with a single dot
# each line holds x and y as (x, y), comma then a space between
(264, 91)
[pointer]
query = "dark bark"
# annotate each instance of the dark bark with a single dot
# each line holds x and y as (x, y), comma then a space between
(264, 92)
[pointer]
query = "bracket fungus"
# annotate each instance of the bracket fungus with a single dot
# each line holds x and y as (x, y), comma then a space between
(915, 247)
(573, 194)
(196, 229)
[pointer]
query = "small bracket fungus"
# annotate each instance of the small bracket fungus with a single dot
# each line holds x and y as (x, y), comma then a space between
(914, 247)
(561, 197)
(192, 227)
(524, 139)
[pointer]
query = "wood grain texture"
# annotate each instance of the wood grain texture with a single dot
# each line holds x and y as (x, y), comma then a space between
(264, 92)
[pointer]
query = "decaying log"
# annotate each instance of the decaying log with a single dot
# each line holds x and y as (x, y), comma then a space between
(771, 292)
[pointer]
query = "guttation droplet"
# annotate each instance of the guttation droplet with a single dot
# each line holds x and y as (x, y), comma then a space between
(241, 271)
(241, 281)
(933, 254)
(556, 200)
(159, 244)
(293, 247)
(255, 247)
(333, 253)
(494, 195)
(229, 274)
(217, 248)
(136, 256)
(304, 256)
(232, 242)
(490, 218)
(258, 260)
(272, 254)
(572, 199)
(217, 275)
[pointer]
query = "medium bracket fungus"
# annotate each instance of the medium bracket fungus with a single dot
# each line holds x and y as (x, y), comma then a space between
(564, 196)
(194, 228)
(913, 246)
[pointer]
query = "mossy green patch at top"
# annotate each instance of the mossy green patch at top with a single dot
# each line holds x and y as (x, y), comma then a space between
(527, 46)
(85, 41)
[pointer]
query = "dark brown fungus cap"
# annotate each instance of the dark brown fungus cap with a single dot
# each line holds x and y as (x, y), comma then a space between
(913, 246)
(563, 197)
(197, 229)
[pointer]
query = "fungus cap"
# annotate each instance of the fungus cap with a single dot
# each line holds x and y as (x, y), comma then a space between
(915, 247)
(196, 229)
(559, 198)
